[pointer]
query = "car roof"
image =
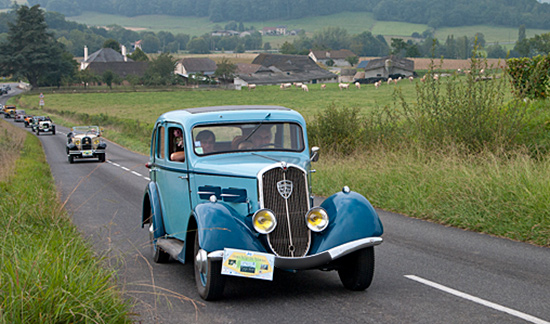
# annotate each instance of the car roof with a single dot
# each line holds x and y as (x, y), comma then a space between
(228, 114)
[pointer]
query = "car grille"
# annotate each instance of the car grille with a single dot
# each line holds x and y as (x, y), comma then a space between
(291, 237)
(86, 143)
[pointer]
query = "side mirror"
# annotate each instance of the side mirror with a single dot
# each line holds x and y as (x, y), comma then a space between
(314, 154)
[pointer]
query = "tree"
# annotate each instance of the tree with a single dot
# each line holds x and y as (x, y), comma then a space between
(352, 60)
(108, 77)
(160, 70)
(198, 45)
(287, 48)
(541, 44)
(225, 70)
(139, 56)
(30, 51)
(111, 43)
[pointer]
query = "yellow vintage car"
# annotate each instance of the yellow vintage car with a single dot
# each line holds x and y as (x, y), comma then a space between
(9, 111)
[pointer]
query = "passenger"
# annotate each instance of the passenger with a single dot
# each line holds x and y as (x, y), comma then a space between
(178, 154)
(245, 145)
(206, 140)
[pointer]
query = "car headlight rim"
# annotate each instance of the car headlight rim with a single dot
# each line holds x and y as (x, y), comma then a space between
(264, 221)
(317, 219)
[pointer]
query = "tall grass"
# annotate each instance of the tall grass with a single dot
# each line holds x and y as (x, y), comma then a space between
(48, 273)
(503, 196)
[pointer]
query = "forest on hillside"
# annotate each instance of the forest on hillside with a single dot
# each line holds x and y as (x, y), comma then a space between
(435, 13)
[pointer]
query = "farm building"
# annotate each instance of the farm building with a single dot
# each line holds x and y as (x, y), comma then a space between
(387, 66)
(272, 69)
(107, 59)
(188, 67)
(338, 57)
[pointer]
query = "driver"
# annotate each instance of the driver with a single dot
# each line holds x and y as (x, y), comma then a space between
(261, 137)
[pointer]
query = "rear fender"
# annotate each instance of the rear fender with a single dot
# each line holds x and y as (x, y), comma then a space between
(151, 201)
(220, 226)
(351, 217)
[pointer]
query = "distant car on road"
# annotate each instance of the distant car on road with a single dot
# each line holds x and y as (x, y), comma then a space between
(9, 111)
(20, 115)
(230, 192)
(85, 142)
(45, 126)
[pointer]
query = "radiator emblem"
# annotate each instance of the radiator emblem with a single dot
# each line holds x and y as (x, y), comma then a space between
(285, 188)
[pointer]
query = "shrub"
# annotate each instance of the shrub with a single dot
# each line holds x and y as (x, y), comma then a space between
(530, 76)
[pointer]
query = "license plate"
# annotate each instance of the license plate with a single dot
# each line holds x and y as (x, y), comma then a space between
(248, 264)
(87, 153)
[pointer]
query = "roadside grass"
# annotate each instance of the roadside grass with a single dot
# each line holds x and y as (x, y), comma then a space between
(49, 273)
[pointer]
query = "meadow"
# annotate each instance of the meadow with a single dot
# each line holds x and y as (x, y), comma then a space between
(500, 193)
(353, 22)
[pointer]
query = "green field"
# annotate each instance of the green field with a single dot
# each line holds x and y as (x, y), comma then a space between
(353, 22)
(152, 104)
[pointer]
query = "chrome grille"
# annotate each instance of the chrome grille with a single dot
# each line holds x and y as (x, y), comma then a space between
(86, 143)
(291, 237)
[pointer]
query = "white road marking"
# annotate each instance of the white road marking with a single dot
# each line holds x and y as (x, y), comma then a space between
(477, 300)
(126, 169)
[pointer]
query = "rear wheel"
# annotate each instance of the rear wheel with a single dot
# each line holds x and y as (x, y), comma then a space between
(357, 269)
(208, 276)
(159, 256)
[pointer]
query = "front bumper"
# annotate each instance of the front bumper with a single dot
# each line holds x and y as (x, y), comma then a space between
(316, 260)
(86, 154)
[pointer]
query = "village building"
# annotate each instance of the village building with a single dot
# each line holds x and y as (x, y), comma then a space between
(193, 67)
(388, 66)
(107, 59)
(337, 57)
(274, 69)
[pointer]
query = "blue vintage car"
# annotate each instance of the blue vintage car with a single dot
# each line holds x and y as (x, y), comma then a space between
(230, 192)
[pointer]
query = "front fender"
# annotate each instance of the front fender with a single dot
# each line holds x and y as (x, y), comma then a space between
(351, 217)
(151, 201)
(220, 226)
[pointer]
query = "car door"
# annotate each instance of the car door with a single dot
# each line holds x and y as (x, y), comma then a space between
(172, 179)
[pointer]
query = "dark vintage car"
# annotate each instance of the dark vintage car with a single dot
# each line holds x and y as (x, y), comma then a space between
(85, 142)
(44, 125)
(20, 115)
(230, 192)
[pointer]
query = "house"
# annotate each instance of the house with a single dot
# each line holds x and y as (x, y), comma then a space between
(278, 31)
(137, 44)
(195, 65)
(273, 69)
(389, 66)
(107, 59)
(338, 57)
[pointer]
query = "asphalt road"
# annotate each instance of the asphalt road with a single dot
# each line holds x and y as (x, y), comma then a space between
(425, 273)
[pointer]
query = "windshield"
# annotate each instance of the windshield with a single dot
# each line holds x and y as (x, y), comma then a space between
(85, 130)
(226, 138)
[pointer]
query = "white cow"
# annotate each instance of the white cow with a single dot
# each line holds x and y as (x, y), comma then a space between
(251, 87)
(343, 86)
(305, 88)
(358, 85)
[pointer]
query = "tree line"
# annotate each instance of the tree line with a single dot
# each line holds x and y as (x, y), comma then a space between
(434, 13)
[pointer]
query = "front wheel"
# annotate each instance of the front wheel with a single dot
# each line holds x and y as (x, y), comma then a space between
(71, 159)
(208, 275)
(357, 269)
(101, 157)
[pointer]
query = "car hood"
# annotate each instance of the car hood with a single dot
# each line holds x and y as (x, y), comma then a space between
(246, 164)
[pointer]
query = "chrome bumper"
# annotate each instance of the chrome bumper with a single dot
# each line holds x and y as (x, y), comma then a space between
(316, 260)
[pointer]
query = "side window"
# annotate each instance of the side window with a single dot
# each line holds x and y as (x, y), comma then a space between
(161, 142)
(176, 144)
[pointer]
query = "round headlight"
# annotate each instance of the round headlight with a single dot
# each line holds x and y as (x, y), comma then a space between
(96, 141)
(264, 221)
(77, 142)
(317, 219)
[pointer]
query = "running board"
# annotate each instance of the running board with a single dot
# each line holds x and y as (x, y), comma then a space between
(171, 246)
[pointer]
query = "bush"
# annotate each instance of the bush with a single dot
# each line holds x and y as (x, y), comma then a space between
(530, 76)
(337, 130)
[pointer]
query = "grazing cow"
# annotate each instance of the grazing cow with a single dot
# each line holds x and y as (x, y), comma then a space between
(285, 85)
(358, 85)
(251, 87)
(423, 78)
(389, 81)
(377, 83)
(298, 85)
(305, 88)
(411, 78)
(343, 86)
(323, 86)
